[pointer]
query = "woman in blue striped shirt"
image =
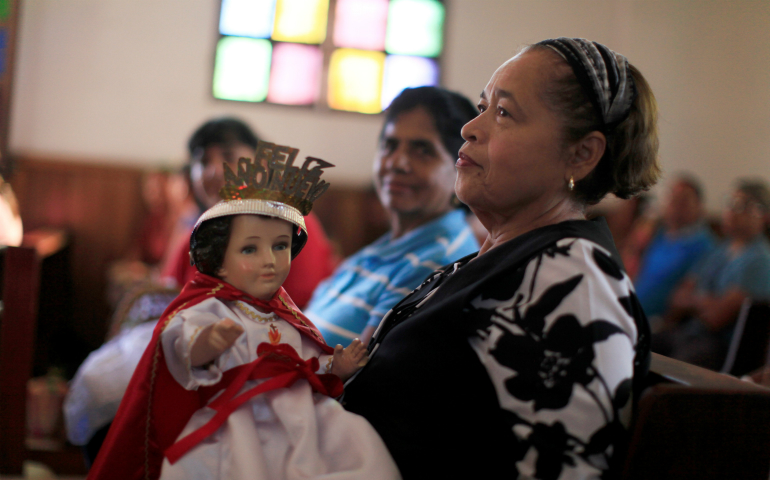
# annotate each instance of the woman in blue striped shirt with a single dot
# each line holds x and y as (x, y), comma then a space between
(414, 175)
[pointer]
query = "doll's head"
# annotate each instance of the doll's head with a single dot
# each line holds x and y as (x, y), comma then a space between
(263, 201)
(250, 252)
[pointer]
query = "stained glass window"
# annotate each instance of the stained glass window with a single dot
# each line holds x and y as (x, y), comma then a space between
(280, 51)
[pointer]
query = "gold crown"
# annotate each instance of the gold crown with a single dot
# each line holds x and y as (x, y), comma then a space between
(271, 175)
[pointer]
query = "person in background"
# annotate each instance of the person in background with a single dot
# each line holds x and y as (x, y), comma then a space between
(225, 140)
(675, 243)
(414, 176)
(705, 305)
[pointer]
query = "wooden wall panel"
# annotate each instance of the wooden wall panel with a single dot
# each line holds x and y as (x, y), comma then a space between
(100, 207)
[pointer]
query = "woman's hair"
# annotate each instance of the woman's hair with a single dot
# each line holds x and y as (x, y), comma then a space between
(756, 190)
(449, 110)
(630, 161)
(208, 244)
(221, 131)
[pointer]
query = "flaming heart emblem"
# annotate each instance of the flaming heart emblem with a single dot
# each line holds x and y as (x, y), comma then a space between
(274, 335)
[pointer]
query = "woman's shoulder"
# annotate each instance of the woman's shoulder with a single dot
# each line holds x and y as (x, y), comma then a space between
(595, 264)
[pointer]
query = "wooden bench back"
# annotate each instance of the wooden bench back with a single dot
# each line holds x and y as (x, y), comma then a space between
(694, 423)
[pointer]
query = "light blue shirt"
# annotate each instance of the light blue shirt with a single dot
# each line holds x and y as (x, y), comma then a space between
(749, 271)
(370, 282)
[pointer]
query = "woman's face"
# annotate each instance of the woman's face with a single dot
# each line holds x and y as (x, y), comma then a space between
(413, 173)
(514, 157)
(207, 171)
(742, 218)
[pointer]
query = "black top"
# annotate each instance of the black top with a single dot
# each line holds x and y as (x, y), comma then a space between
(521, 362)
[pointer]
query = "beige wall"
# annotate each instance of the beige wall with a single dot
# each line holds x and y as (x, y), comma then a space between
(127, 81)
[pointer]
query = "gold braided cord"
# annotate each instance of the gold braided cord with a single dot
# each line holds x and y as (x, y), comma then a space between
(293, 312)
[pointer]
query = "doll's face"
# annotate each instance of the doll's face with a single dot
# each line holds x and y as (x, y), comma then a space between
(258, 255)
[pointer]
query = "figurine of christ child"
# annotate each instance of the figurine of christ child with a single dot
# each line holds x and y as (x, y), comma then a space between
(239, 383)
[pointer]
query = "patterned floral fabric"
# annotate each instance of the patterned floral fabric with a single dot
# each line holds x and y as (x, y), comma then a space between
(552, 321)
(558, 343)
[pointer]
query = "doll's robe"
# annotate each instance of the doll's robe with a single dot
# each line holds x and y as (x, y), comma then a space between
(282, 434)
(156, 408)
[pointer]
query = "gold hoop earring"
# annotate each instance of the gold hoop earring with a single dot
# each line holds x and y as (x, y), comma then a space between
(571, 183)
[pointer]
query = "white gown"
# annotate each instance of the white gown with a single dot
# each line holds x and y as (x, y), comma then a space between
(288, 433)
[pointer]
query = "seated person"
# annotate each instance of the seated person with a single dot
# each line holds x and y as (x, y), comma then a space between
(100, 383)
(414, 175)
(705, 305)
(679, 239)
(225, 140)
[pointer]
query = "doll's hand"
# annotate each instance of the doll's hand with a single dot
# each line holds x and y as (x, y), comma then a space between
(213, 340)
(348, 361)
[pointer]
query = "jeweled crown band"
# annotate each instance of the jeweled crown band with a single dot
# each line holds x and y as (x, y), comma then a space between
(254, 206)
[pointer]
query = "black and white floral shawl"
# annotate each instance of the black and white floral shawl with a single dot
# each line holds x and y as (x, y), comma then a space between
(523, 362)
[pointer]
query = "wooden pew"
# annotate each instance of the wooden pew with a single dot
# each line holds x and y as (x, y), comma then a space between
(694, 423)
(20, 295)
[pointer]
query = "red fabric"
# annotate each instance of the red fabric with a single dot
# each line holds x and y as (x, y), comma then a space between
(156, 408)
(316, 262)
(282, 365)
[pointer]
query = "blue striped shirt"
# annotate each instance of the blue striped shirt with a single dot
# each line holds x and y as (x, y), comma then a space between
(370, 282)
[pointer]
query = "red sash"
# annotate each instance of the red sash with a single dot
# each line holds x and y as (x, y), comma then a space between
(282, 365)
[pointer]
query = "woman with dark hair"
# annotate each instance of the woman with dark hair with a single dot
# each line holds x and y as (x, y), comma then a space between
(414, 176)
(521, 361)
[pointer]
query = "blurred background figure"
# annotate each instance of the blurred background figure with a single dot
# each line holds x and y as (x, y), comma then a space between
(225, 140)
(705, 305)
(10, 221)
(621, 215)
(414, 175)
(168, 206)
(659, 252)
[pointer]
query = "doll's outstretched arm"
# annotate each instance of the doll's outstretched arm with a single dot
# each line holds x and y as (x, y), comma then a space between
(349, 360)
(213, 340)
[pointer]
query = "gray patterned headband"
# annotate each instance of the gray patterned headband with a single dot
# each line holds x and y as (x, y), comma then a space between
(603, 74)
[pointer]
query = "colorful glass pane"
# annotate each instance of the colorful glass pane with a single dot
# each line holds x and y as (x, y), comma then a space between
(361, 24)
(355, 80)
(295, 74)
(247, 18)
(301, 21)
(403, 72)
(242, 69)
(415, 27)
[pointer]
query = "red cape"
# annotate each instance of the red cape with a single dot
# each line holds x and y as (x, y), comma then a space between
(155, 408)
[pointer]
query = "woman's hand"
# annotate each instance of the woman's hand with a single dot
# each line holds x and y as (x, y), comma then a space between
(213, 340)
(348, 361)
